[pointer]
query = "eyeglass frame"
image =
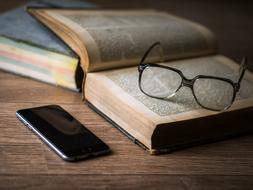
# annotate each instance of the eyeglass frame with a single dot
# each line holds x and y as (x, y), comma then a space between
(190, 82)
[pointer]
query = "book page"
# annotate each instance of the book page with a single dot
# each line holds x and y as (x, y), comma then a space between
(183, 101)
(114, 39)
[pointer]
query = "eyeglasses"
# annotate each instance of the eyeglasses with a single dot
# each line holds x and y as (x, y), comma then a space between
(210, 92)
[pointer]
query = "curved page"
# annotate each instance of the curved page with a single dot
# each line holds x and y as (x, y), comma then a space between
(113, 39)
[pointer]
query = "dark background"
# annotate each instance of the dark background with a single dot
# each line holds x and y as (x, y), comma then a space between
(231, 21)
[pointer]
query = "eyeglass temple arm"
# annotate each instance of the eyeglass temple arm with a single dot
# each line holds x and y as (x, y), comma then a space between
(242, 70)
(149, 50)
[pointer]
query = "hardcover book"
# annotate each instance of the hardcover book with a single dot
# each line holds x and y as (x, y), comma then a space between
(30, 49)
(111, 44)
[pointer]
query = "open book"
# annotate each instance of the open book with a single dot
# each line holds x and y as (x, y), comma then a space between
(111, 44)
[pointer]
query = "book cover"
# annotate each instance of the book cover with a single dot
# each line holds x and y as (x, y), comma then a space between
(30, 49)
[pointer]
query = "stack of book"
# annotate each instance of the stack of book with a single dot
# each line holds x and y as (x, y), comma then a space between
(28, 48)
(110, 45)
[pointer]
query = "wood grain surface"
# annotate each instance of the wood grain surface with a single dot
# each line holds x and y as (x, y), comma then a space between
(27, 163)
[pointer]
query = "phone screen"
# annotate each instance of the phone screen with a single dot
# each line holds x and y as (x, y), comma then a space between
(62, 132)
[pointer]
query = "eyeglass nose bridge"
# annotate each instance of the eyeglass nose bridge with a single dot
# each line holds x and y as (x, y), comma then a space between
(187, 82)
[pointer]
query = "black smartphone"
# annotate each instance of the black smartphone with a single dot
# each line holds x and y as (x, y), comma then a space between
(62, 132)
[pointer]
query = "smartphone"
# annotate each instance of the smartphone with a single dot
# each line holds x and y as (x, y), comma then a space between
(62, 132)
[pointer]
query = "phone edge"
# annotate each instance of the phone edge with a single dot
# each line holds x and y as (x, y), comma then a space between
(48, 143)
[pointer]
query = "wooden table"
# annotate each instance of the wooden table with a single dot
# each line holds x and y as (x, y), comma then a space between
(27, 163)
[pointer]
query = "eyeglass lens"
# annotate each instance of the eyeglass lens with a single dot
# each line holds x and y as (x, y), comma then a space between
(159, 82)
(213, 93)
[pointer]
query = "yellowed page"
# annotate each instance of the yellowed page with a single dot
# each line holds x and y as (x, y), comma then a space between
(113, 39)
(117, 95)
(183, 103)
